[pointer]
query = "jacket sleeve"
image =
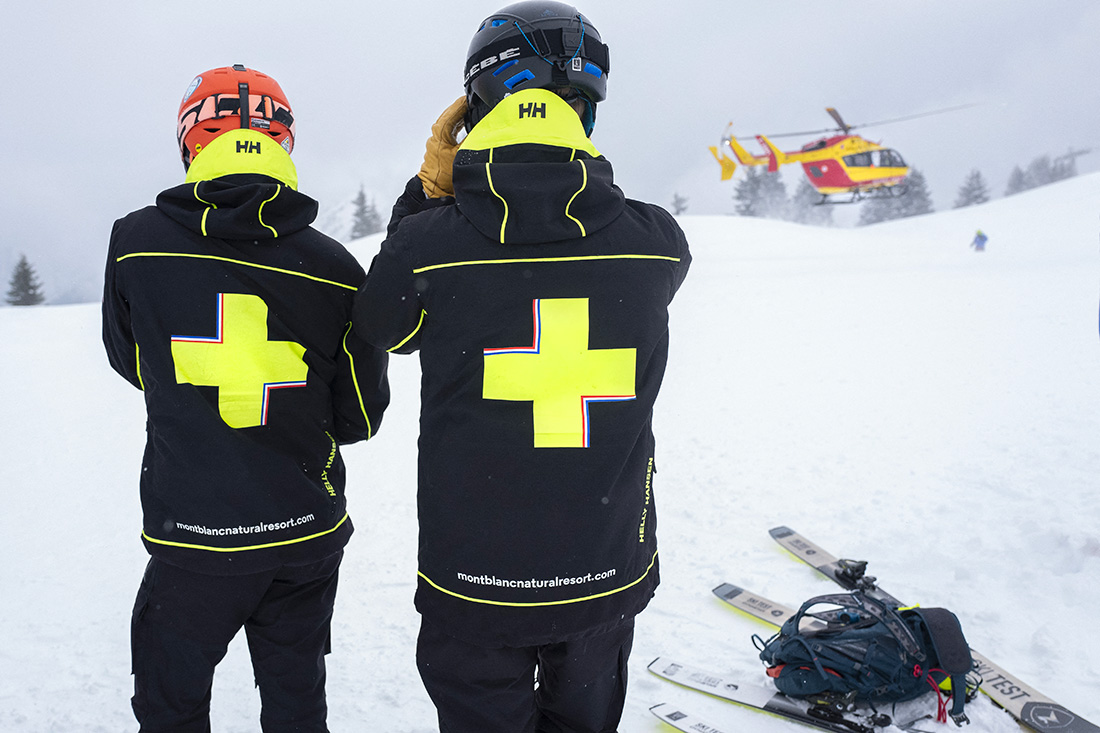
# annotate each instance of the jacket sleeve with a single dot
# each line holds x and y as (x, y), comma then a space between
(413, 200)
(118, 337)
(672, 231)
(361, 389)
(683, 265)
(388, 312)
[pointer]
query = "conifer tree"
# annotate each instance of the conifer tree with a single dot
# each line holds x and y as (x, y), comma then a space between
(973, 190)
(761, 194)
(365, 217)
(877, 209)
(805, 208)
(1017, 181)
(25, 288)
(1039, 172)
(679, 204)
(1065, 166)
(915, 201)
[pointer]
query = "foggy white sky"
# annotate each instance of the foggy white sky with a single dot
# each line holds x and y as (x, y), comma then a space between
(89, 95)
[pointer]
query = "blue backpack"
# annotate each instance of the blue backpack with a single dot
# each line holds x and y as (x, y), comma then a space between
(859, 648)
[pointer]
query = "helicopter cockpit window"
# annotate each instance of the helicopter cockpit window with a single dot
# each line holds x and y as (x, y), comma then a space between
(890, 159)
(858, 159)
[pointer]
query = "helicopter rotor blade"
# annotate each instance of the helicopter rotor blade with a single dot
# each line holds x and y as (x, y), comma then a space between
(845, 128)
(788, 134)
(836, 116)
(918, 116)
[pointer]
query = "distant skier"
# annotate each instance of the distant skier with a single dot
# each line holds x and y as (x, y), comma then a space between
(233, 316)
(979, 241)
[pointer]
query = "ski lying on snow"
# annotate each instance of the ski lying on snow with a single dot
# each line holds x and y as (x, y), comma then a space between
(750, 695)
(1023, 702)
(682, 720)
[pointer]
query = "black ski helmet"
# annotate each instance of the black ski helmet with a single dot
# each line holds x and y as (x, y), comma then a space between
(536, 44)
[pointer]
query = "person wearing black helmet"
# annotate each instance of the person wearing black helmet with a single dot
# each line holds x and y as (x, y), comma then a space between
(537, 296)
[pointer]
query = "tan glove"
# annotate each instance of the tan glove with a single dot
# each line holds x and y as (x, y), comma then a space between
(439, 155)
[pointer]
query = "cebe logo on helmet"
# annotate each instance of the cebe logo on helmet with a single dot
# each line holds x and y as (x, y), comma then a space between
(536, 44)
(212, 106)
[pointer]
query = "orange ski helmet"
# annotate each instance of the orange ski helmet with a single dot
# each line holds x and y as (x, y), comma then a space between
(211, 106)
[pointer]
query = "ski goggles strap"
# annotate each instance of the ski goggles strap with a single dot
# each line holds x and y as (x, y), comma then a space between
(542, 44)
(218, 106)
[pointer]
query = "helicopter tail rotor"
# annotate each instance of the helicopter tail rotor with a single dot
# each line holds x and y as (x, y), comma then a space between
(728, 166)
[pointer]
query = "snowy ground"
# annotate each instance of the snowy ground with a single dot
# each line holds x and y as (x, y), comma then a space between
(892, 394)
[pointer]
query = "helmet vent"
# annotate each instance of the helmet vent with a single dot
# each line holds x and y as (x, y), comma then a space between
(518, 79)
(506, 66)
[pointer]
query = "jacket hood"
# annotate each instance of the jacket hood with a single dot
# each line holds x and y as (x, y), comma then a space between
(241, 186)
(528, 174)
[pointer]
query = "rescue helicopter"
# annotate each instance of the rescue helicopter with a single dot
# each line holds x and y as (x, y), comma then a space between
(837, 164)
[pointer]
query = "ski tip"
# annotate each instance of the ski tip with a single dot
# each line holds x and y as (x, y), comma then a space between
(780, 532)
(676, 717)
(727, 591)
(673, 716)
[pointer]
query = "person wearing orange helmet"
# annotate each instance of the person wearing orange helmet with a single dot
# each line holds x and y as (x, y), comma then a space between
(211, 107)
(233, 316)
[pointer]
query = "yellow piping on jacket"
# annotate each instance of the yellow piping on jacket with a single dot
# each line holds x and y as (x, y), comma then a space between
(489, 178)
(521, 260)
(209, 206)
(260, 212)
(250, 547)
(355, 381)
(562, 602)
(405, 340)
(584, 184)
(237, 262)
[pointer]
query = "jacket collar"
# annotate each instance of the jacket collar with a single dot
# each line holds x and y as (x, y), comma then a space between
(527, 173)
(240, 186)
(533, 116)
(243, 151)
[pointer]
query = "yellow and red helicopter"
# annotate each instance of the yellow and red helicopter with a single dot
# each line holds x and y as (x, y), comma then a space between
(839, 163)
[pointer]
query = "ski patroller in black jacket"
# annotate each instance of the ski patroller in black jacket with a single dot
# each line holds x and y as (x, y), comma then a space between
(538, 301)
(233, 316)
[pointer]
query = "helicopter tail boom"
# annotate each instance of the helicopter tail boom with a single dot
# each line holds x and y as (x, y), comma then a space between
(775, 157)
(744, 157)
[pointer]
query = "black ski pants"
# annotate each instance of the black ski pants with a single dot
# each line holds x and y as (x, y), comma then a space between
(568, 687)
(183, 623)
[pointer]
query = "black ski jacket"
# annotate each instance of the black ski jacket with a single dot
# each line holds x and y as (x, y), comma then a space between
(233, 316)
(538, 302)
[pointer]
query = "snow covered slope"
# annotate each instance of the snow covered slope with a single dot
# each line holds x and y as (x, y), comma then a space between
(886, 390)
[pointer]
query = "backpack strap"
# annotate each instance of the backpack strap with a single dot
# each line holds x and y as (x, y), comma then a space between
(860, 603)
(951, 649)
